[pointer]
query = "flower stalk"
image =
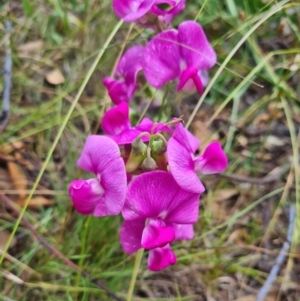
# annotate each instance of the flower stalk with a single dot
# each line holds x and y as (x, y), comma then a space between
(137, 263)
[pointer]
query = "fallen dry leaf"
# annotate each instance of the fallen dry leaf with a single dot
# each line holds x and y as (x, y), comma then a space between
(33, 46)
(225, 194)
(18, 178)
(35, 202)
(253, 298)
(55, 77)
(4, 237)
(8, 148)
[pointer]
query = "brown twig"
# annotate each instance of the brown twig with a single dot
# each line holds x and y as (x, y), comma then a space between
(54, 251)
(271, 177)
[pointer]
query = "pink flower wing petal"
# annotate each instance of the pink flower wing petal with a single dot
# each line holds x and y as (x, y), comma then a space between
(131, 10)
(183, 232)
(161, 61)
(131, 235)
(161, 258)
(182, 167)
(157, 234)
(213, 160)
(85, 195)
(195, 48)
(97, 153)
(116, 120)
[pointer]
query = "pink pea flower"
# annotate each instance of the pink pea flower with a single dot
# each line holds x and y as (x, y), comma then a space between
(116, 120)
(183, 54)
(156, 212)
(132, 10)
(124, 86)
(105, 194)
(186, 168)
(167, 16)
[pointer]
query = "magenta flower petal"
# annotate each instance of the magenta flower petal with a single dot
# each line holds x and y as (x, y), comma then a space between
(168, 16)
(131, 10)
(130, 64)
(114, 182)
(195, 48)
(123, 87)
(162, 58)
(156, 234)
(161, 258)
(97, 153)
(85, 194)
(183, 232)
(131, 235)
(117, 90)
(213, 160)
(116, 120)
(101, 156)
(182, 166)
(189, 79)
(186, 138)
(156, 195)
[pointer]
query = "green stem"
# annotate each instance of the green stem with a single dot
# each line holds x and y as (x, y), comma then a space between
(137, 262)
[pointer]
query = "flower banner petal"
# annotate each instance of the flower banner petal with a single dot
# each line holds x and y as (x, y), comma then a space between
(161, 61)
(182, 166)
(195, 48)
(131, 235)
(97, 153)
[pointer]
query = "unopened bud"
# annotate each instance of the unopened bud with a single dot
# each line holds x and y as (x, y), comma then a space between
(161, 161)
(133, 163)
(158, 147)
(149, 164)
(138, 147)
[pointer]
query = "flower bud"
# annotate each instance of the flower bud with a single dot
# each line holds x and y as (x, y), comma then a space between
(137, 155)
(149, 164)
(133, 162)
(161, 161)
(138, 147)
(158, 147)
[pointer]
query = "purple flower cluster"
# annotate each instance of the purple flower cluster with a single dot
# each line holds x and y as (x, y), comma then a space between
(150, 172)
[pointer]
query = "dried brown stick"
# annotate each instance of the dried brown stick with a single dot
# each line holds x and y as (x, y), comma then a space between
(54, 251)
(271, 177)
